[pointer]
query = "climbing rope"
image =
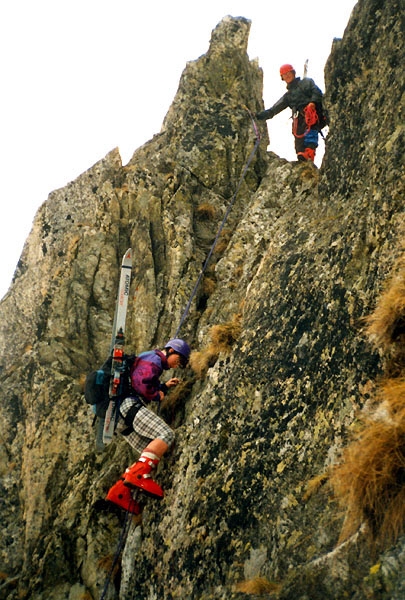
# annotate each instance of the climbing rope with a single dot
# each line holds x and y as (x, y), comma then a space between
(311, 118)
(121, 541)
(228, 210)
(127, 520)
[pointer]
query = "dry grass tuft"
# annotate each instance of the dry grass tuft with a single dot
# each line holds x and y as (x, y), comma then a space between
(175, 399)
(82, 381)
(206, 211)
(314, 485)
(386, 325)
(369, 483)
(224, 336)
(208, 286)
(222, 339)
(223, 241)
(391, 394)
(258, 587)
(105, 563)
(201, 361)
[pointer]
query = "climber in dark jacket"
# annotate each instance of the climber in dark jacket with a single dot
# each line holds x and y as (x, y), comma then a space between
(304, 98)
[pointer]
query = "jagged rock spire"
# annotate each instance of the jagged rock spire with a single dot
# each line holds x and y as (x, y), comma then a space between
(279, 316)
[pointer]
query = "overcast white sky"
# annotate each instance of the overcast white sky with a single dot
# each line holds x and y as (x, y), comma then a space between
(81, 77)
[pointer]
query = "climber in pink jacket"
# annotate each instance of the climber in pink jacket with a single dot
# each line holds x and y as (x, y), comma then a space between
(149, 434)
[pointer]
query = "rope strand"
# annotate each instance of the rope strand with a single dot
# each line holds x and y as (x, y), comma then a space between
(228, 210)
(127, 521)
(121, 542)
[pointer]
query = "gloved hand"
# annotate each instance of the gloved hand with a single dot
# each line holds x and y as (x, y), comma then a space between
(264, 115)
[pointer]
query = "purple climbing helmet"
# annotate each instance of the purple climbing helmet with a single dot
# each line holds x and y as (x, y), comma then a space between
(179, 346)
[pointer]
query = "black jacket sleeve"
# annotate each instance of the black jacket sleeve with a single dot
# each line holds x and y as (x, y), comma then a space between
(275, 109)
(300, 93)
(280, 105)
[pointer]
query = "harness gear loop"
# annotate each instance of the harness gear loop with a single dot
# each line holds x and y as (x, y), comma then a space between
(295, 125)
(228, 210)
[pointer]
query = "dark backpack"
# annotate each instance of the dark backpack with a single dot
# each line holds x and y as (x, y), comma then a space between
(97, 386)
(323, 116)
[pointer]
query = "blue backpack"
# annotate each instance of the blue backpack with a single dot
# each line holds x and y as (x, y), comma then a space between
(97, 386)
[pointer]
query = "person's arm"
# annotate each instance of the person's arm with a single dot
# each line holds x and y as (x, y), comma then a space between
(145, 380)
(164, 387)
(280, 105)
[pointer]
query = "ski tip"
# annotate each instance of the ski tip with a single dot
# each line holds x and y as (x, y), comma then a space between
(127, 259)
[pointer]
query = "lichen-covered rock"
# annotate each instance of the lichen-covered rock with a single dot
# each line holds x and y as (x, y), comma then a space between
(301, 260)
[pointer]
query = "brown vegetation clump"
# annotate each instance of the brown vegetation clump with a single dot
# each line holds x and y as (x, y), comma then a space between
(224, 336)
(222, 242)
(201, 361)
(259, 586)
(386, 325)
(208, 286)
(222, 339)
(106, 563)
(391, 395)
(314, 485)
(206, 211)
(173, 402)
(369, 482)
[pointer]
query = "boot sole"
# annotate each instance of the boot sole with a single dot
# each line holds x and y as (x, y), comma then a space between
(133, 486)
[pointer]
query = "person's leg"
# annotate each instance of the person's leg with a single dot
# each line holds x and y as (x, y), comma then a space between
(305, 140)
(149, 425)
(142, 438)
(158, 447)
(310, 144)
(299, 127)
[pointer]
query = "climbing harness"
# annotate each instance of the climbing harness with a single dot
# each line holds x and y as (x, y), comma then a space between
(311, 118)
(228, 210)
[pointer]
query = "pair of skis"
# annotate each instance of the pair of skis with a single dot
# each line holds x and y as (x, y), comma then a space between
(117, 346)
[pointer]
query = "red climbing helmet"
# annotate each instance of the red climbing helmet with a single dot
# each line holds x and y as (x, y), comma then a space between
(286, 69)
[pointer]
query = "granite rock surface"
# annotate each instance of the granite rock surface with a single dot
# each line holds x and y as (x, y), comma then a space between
(302, 260)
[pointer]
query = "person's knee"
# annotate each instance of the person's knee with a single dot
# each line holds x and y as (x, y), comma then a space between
(168, 437)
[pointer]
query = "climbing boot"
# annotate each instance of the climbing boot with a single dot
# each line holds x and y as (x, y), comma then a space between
(139, 475)
(308, 154)
(121, 495)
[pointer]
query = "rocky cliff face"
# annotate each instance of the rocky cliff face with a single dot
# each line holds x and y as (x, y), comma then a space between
(284, 369)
